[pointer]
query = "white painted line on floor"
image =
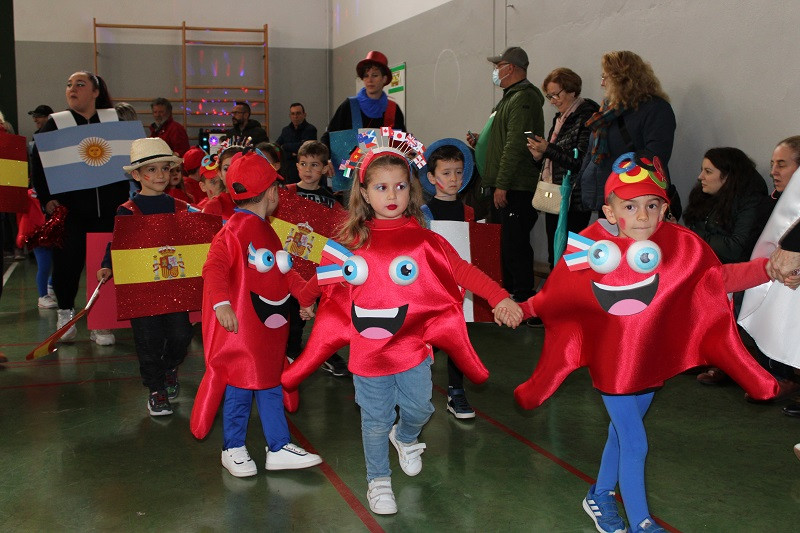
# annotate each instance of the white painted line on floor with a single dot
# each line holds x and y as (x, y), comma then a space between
(8, 273)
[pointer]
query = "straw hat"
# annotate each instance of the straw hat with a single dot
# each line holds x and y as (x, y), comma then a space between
(150, 150)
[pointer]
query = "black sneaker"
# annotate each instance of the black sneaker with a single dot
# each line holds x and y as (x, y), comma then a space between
(336, 366)
(458, 405)
(534, 322)
(173, 386)
(158, 403)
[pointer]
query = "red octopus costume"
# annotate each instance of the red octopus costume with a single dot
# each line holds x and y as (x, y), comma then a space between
(400, 295)
(247, 267)
(636, 327)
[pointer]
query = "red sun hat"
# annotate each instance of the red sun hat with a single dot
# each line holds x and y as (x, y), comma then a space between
(249, 175)
(374, 59)
(637, 174)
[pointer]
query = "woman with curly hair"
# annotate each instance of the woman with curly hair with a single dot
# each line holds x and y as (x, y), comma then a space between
(635, 116)
(728, 208)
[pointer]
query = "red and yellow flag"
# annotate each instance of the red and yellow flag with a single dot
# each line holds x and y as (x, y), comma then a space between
(158, 264)
(13, 173)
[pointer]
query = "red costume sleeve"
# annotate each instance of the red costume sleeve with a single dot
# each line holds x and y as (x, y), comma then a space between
(473, 279)
(741, 276)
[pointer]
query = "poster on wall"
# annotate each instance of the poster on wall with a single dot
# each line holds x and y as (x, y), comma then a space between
(396, 88)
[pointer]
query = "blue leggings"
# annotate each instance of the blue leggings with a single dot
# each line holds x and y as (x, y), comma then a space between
(625, 453)
(236, 414)
(44, 264)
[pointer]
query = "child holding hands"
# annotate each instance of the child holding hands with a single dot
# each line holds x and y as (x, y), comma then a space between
(248, 279)
(640, 301)
(401, 293)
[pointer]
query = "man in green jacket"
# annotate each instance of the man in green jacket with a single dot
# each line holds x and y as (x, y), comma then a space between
(508, 170)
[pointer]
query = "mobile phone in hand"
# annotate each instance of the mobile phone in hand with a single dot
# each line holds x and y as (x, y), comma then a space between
(530, 135)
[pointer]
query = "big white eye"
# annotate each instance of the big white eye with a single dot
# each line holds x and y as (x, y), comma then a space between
(355, 270)
(643, 256)
(264, 260)
(403, 270)
(604, 256)
(284, 261)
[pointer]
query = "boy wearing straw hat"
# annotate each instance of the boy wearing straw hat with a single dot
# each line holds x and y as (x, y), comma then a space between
(161, 340)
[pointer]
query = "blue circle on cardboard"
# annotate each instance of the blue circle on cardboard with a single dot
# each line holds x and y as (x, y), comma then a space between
(469, 163)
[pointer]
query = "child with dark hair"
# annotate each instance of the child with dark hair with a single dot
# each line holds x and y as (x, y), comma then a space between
(448, 172)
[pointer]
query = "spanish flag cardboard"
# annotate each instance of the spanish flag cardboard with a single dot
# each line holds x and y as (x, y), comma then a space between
(158, 264)
(304, 227)
(13, 173)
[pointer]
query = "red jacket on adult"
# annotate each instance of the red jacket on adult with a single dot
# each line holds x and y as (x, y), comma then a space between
(173, 133)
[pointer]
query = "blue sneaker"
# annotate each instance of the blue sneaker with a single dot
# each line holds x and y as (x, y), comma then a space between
(602, 508)
(649, 526)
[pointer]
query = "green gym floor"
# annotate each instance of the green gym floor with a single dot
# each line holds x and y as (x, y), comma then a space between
(80, 452)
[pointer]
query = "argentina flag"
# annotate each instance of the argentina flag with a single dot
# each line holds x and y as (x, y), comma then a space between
(88, 156)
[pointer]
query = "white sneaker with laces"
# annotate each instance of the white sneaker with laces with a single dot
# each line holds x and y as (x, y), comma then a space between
(64, 316)
(238, 462)
(46, 302)
(409, 454)
(381, 497)
(291, 457)
(103, 337)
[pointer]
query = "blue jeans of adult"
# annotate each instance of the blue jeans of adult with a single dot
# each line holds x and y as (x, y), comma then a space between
(236, 414)
(44, 264)
(377, 397)
(625, 452)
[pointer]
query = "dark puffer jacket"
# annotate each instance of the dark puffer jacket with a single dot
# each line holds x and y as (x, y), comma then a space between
(573, 134)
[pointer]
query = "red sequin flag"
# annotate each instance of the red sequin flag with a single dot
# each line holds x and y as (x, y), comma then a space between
(158, 262)
(13, 173)
(316, 218)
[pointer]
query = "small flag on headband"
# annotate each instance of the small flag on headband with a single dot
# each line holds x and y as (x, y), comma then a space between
(334, 253)
(329, 274)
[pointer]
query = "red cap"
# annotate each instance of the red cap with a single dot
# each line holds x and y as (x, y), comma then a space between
(192, 158)
(208, 173)
(636, 174)
(249, 175)
(374, 59)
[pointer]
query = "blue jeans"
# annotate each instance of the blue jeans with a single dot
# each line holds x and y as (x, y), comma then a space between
(236, 414)
(625, 453)
(410, 391)
(44, 264)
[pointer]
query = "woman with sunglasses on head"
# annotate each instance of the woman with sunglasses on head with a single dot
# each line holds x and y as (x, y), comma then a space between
(562, 88)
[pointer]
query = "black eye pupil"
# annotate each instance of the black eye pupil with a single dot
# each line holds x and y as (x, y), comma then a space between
(405, 270)
(348, 270)
(645, 258)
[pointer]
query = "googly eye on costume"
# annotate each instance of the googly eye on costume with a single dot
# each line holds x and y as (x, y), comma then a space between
(643, 256)
(284, 261)
(262, 259)
(355, 270)
(604, 256)
(403, 270)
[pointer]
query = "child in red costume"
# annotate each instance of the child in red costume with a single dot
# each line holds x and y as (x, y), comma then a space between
(402, 294)
(221, 203)
(640, 302)
(248, 278)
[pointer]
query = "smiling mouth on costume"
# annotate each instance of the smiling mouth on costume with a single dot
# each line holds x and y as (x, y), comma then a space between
(273, 314)
(627, 299)
(378, 323)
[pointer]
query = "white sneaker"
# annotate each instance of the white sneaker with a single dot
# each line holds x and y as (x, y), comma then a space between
(103, 337)
(46, 302)
(797, 450)
(409, 454)
(238, 462)
(64, 316)
(291, 457)
(381, 497)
